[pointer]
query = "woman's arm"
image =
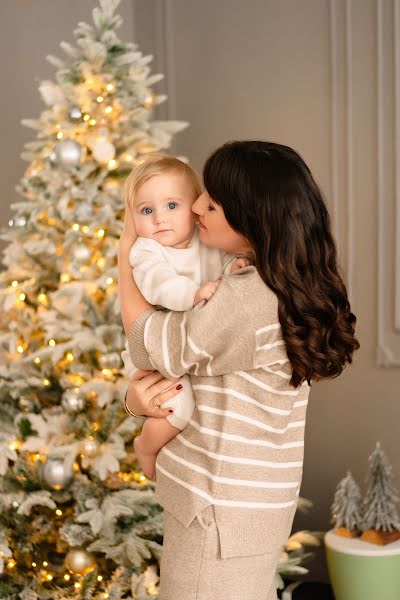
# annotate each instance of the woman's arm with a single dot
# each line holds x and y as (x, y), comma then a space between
(132, 303)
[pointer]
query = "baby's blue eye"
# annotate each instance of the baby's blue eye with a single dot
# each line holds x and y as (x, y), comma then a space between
(171, 205)
(147, 210)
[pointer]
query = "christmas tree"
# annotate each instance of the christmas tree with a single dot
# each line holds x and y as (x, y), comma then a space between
(381, 519)
(78, 519)
(347, 507)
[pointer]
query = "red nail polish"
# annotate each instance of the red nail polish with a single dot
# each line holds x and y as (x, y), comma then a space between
(179, 387)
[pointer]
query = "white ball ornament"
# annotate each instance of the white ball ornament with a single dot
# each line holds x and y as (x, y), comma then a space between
(82, 253)
(103, 150)
(80, 561)
(56, 474)
(90, 448)
(67, 153)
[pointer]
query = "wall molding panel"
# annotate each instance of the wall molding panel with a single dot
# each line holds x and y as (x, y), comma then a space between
(388, 182)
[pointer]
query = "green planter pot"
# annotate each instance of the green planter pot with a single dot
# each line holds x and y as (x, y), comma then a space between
(362, 571)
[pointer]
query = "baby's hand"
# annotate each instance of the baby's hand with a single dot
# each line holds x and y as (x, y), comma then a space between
(239, 263)
(206, 291)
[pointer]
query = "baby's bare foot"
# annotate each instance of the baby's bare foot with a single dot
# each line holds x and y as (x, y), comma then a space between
(147, 460)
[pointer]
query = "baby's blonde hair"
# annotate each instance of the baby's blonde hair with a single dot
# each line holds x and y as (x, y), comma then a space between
(157, 163)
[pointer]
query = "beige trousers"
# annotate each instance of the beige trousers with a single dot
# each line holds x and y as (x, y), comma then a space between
(192, 567)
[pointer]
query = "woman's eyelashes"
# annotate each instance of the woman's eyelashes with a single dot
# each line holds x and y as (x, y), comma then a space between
(210, 208)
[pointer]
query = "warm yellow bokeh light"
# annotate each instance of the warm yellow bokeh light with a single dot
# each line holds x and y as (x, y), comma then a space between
(92, 122)
(20, 349)
(33, 564)
(60, 135)
(86, 117)
(11, 564)
(52, 343)
(45, 563)
(110, 87)
(108, 109)
(70, 356)
(109, 280)
(46, 382)
(22, 297)
(75, 227)
(37, 360)
(112, 164)
(100, 233)
(14, 283)
(59, 512)
(65, 278)
(85, 228)
(99, 99)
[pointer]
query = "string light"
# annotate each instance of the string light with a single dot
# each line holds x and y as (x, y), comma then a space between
(46, 382)
(59, 512)
(108, 109)
(99, 99)
(92, 122)
(75, 227)
(101, 262)
(99, 578)
(70, 356)
(105, 595)
(65, 278)
(109, 280)
(42, 298)
(67, 576)
(110, 87)
(107, 372)
(95, 426)
(86, 117)
(60, 135)
(77, 585)
(22, 297)
(14, 283)
(49, 577)
(52, 342)
(45, 563)
(34, 565)
(37, 360)
(14, 445)
(85, 228)
(11, 564)
(20, 349)
(100, 233)
(112, 164)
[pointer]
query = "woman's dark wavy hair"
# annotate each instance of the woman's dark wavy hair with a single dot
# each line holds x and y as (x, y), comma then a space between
(269, 196)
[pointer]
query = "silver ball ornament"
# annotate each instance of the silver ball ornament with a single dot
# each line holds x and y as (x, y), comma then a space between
(80, 561)
(56, 474)
(72, 401)
(74, 113)
(67, 153)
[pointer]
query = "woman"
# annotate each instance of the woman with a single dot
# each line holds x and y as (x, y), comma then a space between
(229, 482)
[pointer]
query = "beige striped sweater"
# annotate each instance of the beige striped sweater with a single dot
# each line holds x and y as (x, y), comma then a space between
(243, 448)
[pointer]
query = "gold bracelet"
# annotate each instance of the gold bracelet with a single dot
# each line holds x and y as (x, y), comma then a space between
(128, 410)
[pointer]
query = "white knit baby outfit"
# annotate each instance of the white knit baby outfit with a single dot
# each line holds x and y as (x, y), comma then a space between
(169, 278)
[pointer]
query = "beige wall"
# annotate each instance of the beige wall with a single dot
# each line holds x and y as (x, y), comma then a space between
(317, 75)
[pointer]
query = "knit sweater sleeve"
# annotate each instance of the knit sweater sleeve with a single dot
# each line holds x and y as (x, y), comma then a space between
(214, 338)
(158, 280)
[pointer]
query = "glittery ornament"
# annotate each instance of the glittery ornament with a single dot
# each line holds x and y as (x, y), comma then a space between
(67, 153)
(80, 561)
(56, 474)
(110, 361)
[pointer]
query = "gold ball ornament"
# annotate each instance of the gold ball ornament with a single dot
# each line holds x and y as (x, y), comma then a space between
(57, 474)
(80, 561)
(90, 447)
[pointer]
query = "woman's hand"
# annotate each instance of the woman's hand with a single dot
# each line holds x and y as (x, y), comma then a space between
(147, 390)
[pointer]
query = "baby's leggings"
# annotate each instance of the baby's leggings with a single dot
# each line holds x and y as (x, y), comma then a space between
(192, 567)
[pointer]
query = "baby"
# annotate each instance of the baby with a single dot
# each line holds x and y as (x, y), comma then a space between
(172, 269)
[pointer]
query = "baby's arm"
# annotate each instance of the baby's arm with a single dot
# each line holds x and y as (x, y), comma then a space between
(239, 263)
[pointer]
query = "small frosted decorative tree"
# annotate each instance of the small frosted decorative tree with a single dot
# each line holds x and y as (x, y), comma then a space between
(381, 523)
(347, 507)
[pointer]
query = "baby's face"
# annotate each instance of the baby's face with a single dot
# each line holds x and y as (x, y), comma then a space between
(162, 210)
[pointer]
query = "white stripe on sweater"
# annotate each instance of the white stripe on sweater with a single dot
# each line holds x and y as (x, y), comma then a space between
(279, 373)
(164, 342)
(231, 480)
(264, 386)
(240, 461)
(235, 394)
(244, 440)
(268, 328)
(221, 502)
(259, 424)
(272, 345)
